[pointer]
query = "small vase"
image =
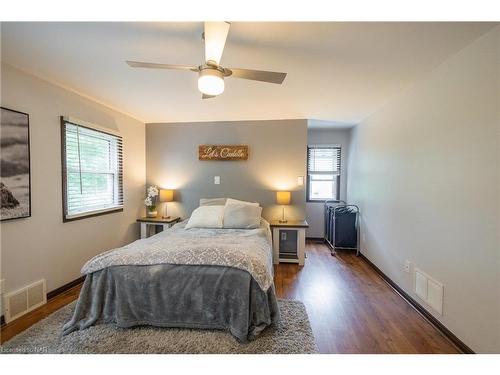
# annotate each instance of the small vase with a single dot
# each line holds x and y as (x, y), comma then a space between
(152, 213)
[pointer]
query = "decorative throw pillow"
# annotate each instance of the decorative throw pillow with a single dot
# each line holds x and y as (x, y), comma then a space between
(212, 201)
(241, 215)
(236, 201)
(206, 217)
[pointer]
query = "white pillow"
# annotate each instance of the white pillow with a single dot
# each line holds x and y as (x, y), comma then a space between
(242, 215)
(212, 201)
(236, 201)
(206, 217)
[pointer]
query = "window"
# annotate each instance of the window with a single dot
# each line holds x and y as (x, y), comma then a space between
(92, 170)
(323, 173)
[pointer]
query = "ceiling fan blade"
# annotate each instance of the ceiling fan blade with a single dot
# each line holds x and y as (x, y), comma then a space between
(215, 36)
(258, 75)
(205, 96)
(140, 64)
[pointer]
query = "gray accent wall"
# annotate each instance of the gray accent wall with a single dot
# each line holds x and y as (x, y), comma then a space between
(277, 156)
(424, 170)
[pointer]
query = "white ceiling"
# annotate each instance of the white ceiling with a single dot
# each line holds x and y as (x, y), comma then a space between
(337, 72)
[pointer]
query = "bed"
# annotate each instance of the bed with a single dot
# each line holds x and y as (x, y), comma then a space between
(190, 278)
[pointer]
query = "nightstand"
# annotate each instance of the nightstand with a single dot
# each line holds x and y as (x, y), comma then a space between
(289, 241)
(146, 222)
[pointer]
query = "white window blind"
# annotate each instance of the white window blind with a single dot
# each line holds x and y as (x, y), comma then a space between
(323, 173)
(92, 171)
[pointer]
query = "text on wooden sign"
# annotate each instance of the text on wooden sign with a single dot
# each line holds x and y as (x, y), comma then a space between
(222, 152)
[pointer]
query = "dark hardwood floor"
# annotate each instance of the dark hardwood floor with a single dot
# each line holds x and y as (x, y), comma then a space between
(350, 307)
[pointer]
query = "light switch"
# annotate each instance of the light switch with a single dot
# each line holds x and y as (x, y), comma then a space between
(217, 180)
(300, 180)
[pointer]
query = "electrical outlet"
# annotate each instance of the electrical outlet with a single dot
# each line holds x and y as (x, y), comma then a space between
(217, 180)
(407, 266)
(300, 180)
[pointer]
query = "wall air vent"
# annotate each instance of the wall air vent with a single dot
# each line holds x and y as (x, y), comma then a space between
(23, 300)
(429, 290)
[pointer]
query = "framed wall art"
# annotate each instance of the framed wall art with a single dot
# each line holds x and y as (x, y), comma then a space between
(15, 178)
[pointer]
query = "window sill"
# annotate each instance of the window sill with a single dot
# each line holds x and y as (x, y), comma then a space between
(322, 201)
(92, 214)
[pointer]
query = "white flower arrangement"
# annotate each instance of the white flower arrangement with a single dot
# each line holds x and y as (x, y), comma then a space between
(152, 191)
(150, 200)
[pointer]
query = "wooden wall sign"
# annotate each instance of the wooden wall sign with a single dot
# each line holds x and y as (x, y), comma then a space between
(222, 152)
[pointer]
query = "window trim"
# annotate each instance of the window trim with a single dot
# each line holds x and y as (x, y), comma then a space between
(308, 179)
(84, 215)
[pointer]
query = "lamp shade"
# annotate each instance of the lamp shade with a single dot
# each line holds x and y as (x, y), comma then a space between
(283, 197)
(166, 195)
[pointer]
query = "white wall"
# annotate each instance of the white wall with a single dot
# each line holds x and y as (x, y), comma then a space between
(424, 170)
(42, 246)
(330, 137)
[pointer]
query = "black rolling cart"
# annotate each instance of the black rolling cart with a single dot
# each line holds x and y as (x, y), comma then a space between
(341, 226)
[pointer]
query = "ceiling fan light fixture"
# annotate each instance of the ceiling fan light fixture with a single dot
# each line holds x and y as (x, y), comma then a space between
(210, 73)
(211, 81)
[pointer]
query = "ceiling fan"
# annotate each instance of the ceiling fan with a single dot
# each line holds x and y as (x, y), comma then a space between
(211, 74)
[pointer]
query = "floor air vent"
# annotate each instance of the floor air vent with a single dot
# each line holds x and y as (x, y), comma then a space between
(21, 301)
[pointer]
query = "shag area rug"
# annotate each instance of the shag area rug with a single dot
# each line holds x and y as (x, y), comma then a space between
(292, 334)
